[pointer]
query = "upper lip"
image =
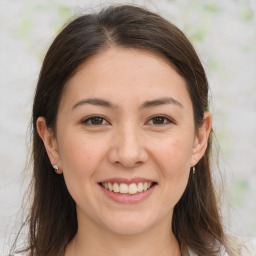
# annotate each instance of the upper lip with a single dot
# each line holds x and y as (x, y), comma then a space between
(126, 181)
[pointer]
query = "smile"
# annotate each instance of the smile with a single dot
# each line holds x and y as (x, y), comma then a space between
(123, 188)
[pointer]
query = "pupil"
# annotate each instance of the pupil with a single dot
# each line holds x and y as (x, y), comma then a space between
(158, 120)
(96, 120)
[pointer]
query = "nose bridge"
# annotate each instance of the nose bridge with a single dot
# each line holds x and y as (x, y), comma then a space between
(128, 147)
(129, 138)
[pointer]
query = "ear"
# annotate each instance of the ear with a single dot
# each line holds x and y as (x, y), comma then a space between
(49, 141)
(201, 139)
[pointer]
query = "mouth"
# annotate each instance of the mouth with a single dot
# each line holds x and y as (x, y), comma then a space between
(127, 189)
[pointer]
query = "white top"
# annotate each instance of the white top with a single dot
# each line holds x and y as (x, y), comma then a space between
(249, 248)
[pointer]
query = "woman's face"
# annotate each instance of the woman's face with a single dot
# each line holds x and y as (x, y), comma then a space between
(125, 122)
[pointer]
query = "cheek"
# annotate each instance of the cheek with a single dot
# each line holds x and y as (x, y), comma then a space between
(80, 160)
(174, 159)
(176, 168)
(175, 154)
(76, 156)
(80, 152)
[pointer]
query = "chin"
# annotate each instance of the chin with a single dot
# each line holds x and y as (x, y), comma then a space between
(130, 226)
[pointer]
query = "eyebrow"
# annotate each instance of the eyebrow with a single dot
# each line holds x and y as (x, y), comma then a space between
(94, 101)
(161, 101)
(147, 104)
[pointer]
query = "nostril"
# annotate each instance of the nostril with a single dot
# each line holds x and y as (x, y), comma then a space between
(127, 154)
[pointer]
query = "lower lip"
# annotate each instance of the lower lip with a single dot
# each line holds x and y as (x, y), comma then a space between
(125, 198)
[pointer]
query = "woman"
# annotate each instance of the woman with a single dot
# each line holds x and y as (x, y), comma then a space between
(121, 143)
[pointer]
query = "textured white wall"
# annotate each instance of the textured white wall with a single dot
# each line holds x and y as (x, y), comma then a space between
(224, 34)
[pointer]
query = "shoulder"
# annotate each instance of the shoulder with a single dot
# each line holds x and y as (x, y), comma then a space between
(12, 254)
(245, 246)
(249, 247)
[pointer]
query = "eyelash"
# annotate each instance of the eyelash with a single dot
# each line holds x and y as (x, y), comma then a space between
(167, 120)
(89, 120)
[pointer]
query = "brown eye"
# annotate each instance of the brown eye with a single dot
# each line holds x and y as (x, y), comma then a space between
(95, 120)
(159, 120)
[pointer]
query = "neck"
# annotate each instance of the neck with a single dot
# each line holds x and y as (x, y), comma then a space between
(92, 241)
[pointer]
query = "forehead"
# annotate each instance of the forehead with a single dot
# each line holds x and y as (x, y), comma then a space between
(125, 73)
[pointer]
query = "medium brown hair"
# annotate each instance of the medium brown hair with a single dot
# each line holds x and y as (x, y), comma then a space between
(52, 219)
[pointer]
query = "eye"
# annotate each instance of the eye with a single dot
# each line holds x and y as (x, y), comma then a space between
(159, 120)
(95, 121)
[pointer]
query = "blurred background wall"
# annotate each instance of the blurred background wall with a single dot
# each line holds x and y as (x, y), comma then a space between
(224, 35)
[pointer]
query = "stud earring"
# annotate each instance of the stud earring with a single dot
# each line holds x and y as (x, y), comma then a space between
(194, 169)
(56, 169)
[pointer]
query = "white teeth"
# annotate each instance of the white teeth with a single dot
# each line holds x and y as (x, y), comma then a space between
(123, 188)
(133, 189)
(116, 188)
(140, 187)
(110, 187)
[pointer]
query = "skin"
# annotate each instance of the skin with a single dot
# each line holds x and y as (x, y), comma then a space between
(127, 142)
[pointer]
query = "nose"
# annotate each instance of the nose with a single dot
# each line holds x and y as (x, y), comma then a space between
(127, 148)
